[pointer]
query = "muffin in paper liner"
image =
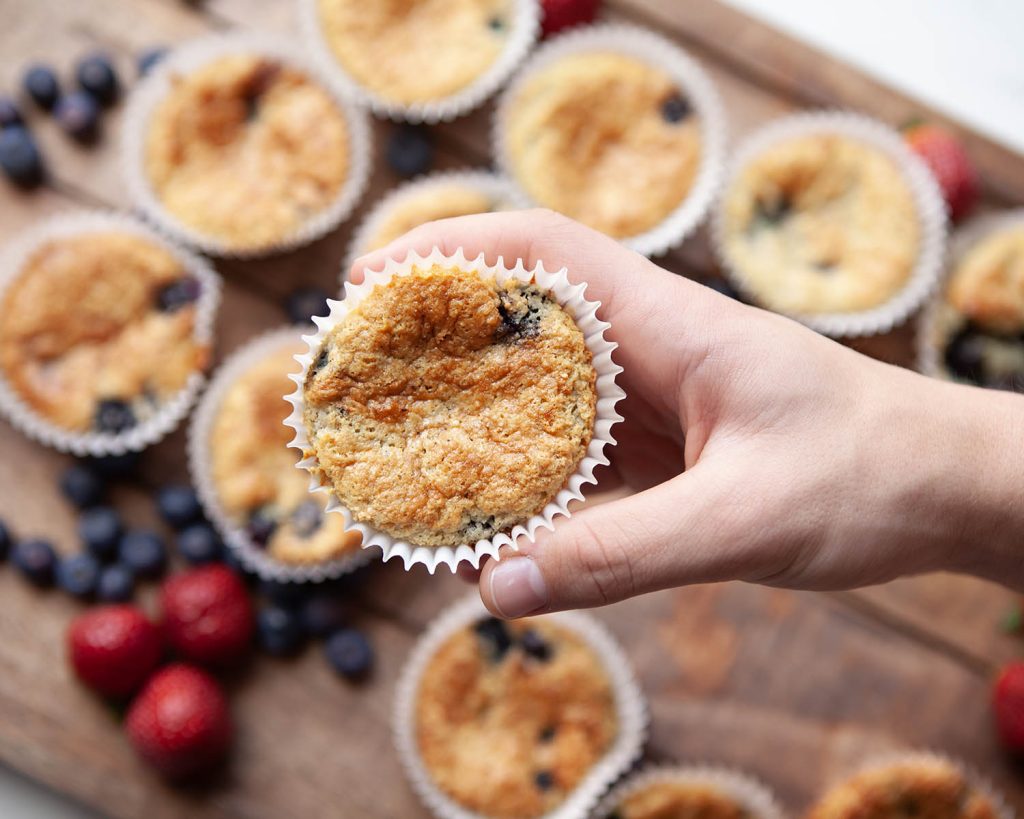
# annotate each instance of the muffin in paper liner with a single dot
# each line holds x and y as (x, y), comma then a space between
(524, 30)
(170, 412)
(195, 54)
(939, 318)
(499, 190)
(661, 53)
(630, 707)
(931, 213)
(201, 471)
(753, 795)
(608, 393)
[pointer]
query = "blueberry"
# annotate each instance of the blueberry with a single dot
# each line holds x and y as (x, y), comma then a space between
(323, 614)
(40, 83)
(675, 109)
(349, 653)
(544, 780)
(172, 297)
(720, 285)
(143, 552)
(286, 595)
(9, 113)
(547, 733)
(5, 540)
(96, 75)
(535, 646)
(116, 584)
(116, 467)
(178, 505)
(81, 485)
(321, 360)
(304, 303)
(36, 560)
(149, 58)
(774, 211)
(279, 631)
(496, 24)
(494, 636)
(79, 115)
(113, 415)
(965, 355)
(100, 531)
(20, 158)
(261, 526)
(306, 518)
(78, 575)
(200, 543)
(410, 150)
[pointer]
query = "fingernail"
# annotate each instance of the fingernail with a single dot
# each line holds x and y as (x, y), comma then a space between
(517, 587)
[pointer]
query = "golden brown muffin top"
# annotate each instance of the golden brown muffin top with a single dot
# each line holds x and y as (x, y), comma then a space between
(510, 717)
(435, 202)
(446, 408)
(679, 800)
(988, 283)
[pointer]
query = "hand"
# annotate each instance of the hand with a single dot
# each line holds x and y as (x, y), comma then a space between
(757, 449)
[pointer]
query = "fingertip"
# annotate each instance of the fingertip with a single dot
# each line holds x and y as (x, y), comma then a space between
(513, 586)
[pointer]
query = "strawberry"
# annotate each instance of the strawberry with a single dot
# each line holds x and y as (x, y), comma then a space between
(1008, 704)
(113, 649)
(207, 615)
(949, 163)
(179, 723)
(559, 14)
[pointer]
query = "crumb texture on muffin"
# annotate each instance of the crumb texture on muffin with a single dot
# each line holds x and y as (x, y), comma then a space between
(822, 224)
(254, 471)
(510, 717)
(666, 799)
(410, 51)
(246, 150)
(100, 326)
(606, 139)
(440, 202)
(446, 408)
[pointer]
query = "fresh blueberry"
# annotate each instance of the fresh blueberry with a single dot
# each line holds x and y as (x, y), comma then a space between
(720, 285)
(143, 552)
(40, 83)
(100, 531)
(349, 653)
(410, 150)
(116, 467)
(81, 485)
(116, 584)
(20, 158)
(78, 575)
(5, 540)
(261, 526)
(113, 415)
(96, 75)
(304, 303)
(544, 780)
(965, 355)
(279, 631)
(675, 109)
(178, 294)
(199, 543)
(179, 505)
(323, 614)
(36, 560)
(286, 595)
(149, 58)
(494, 636)
(79, 115)
(535, 646)
(306, 518)
(9, 113)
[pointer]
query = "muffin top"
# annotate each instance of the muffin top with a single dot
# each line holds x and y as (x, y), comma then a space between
(410, 51)
(822, 224)
(246, 150)
(915, 789)
(510, 717)
(254, 472)
(987, 285)
(98, 329)
(604, 138)
(446, 407)
(668, 799)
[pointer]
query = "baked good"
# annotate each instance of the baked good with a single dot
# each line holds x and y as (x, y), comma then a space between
(98, 330)
(605, 138)
(821, 223)
(446, 408)
(510, 717)
(670, 799)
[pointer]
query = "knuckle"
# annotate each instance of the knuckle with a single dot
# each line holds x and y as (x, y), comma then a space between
(601, 564)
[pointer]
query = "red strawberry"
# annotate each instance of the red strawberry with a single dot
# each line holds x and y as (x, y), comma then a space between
(1008, 703)
(949, 163)
(179, 723)
(113, 649)
(207, 615)
(559, 14)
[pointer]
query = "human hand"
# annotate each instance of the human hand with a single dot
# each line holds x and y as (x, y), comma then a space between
(757, 449)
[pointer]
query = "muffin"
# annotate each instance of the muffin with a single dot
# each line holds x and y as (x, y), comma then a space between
(689, 793)
(922, 786)
(447, 406)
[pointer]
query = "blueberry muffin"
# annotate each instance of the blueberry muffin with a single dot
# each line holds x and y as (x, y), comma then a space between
(254, 474)
(98, 330)
(246, 150)
(669, 799)
(980, 320)
(822, 223)
(510, 717)
(604, 138)
(919, 788)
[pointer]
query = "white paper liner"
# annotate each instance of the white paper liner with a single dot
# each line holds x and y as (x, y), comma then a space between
(186, 59)
(630, 707)
(749, 792)
(523, 33)
(661, 53)
(940, 319)
(571, 297)
(172, 410)
(251, 554)
(497, 188)
(931, 213)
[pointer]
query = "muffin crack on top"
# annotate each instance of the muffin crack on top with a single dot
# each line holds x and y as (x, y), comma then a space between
(448, 407)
